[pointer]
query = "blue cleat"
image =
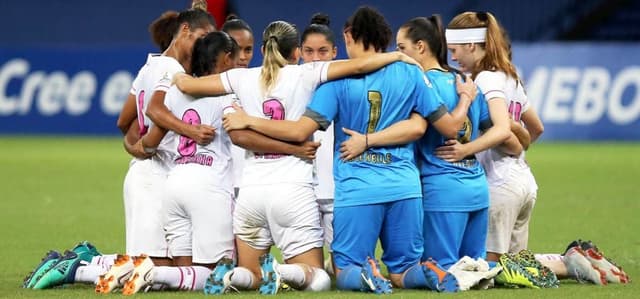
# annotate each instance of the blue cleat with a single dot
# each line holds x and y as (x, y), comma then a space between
(270, 277)
(48, 261)
(219, 282)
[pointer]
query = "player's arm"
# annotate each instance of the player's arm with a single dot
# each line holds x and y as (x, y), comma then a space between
(448, 124)
(206, 85)
(257, 142)
(128, 114)
(402, 132)
(161, 116)
(343, 68)
(520, 134)
(498, 133)
(146, 146)
(533, 123)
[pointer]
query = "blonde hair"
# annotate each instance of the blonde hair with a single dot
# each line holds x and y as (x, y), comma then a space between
(497, 46)
(279, 40)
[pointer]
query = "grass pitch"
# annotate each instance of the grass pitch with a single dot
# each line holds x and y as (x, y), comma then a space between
(58, 191)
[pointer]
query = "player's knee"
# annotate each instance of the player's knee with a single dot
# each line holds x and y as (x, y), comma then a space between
(320, 281)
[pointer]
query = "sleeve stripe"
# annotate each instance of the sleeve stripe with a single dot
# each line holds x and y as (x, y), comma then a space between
(436, 115)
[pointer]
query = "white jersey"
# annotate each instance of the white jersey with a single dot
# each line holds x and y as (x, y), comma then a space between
(287, 100)
(155, 75)
(324, 187)
(216, 156)
(498, 85)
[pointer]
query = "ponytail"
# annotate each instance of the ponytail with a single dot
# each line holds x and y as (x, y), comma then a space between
(280, 39)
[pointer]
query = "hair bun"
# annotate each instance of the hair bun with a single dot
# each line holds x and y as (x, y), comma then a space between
(199, 4)
(320, 19)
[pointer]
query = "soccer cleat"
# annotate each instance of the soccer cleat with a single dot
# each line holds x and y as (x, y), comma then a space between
(142, 276)
(117, 276)
(372, 279)
(545, 278)
(64, 270)
(219, 282)
(514, 274)
(270, 277)
(613, 272)
(439, 279)
(581, 269)
(48, 261)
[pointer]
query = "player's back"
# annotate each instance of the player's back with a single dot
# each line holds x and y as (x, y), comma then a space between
(215, 156)
(287, 100)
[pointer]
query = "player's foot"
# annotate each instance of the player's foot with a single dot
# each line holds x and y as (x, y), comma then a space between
(219, 282)
(372, 279)
(48, 261)
(545, 278)
(514, 274)
(270, 277)
(613, 272)
(64, 270)
(142, 276)
(117, 276)
(581, 269)
(439, 279)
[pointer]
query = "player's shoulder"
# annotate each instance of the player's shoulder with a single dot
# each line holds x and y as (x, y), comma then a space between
(491, 75)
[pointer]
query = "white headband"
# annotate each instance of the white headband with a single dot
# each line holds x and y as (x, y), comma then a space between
(465, 36)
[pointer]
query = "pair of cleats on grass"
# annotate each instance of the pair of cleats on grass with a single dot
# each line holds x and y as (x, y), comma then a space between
(57, 269)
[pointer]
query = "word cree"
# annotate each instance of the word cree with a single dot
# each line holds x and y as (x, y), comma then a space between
(58, 92)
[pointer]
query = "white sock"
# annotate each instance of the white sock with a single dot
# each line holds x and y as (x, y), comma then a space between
(105, 261)
(182, 278)
(319, 282)
(242, 278)
(549, 257)
(293, 274)
(89, 273)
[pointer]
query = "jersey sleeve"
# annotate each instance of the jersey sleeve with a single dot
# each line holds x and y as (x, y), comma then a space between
(485, 117)
(522, 97)
(492, 84)
(227, 103)
(231, 79)
(429, 104)
(316, 72)
(324, 105)
(167, 77)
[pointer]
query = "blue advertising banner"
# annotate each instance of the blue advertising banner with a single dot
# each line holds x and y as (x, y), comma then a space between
(582, 91)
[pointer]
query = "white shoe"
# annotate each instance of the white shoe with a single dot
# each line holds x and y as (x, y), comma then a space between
(142, 277)
(613, 273)
(117, 276)
(581, 269)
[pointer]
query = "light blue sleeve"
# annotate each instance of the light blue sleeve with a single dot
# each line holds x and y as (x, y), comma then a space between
(324, 104)
(429, 104)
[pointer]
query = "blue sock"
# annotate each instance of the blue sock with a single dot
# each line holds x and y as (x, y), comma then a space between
(492, 264)
(350, 279)
(414, 278)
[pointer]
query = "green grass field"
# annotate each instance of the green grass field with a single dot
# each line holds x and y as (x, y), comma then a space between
(58, 191)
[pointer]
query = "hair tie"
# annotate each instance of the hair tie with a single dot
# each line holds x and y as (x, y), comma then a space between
(274, 38)
(482, 16)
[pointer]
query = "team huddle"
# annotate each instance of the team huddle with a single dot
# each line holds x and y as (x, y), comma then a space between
(392, 147)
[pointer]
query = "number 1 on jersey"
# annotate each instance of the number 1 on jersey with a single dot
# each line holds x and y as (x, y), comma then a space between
(375, 102)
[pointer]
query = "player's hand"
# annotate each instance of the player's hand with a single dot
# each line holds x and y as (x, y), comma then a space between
(237, 120)
(307, 150)
(451, 151)
(137, 150)
(467, 87)
(202, 134)
(407, 59)
(354, 146)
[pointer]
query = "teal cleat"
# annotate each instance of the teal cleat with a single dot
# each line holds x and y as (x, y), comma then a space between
(219, 282)
(64, 270)
(270, 277)
(48, 261)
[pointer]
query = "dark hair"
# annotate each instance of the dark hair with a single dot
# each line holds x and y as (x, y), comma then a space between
(370, 27)
(196, 18)
(279, 40)
(431, 31)
(163, 28)
(320, 25)
(233, 23)
(207, 49)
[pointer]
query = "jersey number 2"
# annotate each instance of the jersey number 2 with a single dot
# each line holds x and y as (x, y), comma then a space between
(187, 147)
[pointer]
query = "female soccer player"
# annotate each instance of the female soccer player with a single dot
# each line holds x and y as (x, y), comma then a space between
(377, 193)
(319, 44)
(478, 44)
(277, 204)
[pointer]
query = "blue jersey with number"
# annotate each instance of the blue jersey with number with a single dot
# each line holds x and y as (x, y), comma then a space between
(367, 104)
(459, 186)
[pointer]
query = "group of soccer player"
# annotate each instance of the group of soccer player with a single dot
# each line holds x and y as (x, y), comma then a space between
(410, 152)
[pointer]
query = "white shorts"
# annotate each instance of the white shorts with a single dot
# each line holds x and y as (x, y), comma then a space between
(510, 210)
(199, 215)
(326, 220)
(144, 213)
(286, 215)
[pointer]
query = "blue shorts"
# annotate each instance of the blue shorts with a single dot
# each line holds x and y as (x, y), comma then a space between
(397, 224)
(448, 236)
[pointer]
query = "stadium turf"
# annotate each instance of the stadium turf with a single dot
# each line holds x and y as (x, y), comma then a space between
(58, 191)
